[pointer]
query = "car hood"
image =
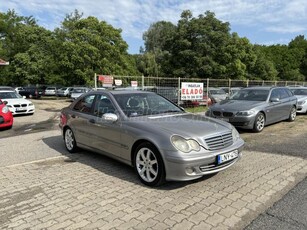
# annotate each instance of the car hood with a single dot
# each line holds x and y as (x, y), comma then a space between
(187, 124)
(17, 101)
(236, 105)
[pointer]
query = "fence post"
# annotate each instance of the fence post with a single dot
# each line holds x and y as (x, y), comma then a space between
(142, 82)
(179, 92)
(95, 81)
(247, 82)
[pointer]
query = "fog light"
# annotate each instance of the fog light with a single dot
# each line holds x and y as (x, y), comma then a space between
(189, 171)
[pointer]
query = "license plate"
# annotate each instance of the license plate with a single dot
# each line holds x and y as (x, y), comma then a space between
(227, 156)
(21, 109)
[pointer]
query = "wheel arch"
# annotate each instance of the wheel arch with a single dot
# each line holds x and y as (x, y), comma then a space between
(265, 115)
(136, 144)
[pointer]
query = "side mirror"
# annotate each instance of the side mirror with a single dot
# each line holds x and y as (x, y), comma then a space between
(111, 117)
(274, 99)
(5, 102)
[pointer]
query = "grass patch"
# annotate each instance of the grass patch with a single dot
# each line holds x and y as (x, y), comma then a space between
(198, 109)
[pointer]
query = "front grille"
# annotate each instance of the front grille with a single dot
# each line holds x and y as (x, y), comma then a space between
(220, 141)
(217, 113)
(227, 114)
(21, 105)
(224, 114)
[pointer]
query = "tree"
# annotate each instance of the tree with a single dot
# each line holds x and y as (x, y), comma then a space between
(88, 46)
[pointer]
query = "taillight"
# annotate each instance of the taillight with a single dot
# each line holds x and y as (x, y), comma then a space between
(63, 119)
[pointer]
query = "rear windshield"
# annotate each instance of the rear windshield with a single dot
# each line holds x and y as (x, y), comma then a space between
(79, 90)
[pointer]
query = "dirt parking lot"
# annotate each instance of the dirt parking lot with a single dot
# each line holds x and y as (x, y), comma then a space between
(281, 138)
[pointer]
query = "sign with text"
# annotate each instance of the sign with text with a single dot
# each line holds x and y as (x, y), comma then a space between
(192, 91)
(134, 83)
(118, 82)
(107, 80)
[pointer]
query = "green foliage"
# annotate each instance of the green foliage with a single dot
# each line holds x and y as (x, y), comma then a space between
(203, 47)
(196, 47)
(70, 55)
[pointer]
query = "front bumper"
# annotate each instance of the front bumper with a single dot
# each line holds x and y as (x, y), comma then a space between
(6, 120)
(244, 122)
(184, 169)
(301, 109)
(24, 110)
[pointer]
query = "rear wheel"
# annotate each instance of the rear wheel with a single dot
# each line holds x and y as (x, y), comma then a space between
(292, 114)
(70, 141)
(259, 122)
(149, 165)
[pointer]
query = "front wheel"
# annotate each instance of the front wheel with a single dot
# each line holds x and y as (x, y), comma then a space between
(292, 114)
(70, 141)
(259, 122)
(149, 165)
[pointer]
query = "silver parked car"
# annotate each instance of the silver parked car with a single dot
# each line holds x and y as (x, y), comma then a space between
(255, 107)
(78, 91)
(217, 94)
(145, 130)
(64, 92)
(301, 94)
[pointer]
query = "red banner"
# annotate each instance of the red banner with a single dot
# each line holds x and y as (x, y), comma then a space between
(105, 79)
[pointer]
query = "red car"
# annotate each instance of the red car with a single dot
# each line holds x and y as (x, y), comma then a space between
(6, 117)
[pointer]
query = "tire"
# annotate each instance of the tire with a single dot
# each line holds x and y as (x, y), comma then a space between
(292, 114)
(259, 123)
(70, 141)
(149, 165)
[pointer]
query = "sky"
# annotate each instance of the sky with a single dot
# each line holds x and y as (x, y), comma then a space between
(264, 22)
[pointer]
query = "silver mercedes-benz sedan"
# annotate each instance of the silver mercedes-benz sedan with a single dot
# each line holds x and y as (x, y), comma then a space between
(145, 130)
(256, 107)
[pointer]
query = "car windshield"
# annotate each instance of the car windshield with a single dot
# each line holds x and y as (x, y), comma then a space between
(9, 95)
(143, 104)
(299, 91)
(251, 95)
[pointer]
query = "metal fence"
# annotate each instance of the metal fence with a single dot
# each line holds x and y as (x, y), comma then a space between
(148, 83)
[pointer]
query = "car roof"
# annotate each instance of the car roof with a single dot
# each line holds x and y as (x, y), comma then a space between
(118, 92)
(7, 91)
(266, 87)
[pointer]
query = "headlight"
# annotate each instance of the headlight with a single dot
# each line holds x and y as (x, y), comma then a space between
(184, 145)
(5, 109)
(301, 102)
(246, 113)
(235, 134)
